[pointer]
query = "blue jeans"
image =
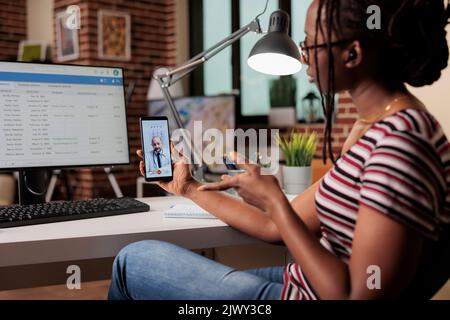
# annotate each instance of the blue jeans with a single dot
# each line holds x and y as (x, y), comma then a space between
(154, 270)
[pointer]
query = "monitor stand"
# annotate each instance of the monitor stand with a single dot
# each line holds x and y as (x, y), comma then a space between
(113, 182)
(37, 186)
(54, 177)
(33, 186)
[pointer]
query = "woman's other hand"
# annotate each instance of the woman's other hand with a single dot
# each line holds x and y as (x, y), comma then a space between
(256, 189)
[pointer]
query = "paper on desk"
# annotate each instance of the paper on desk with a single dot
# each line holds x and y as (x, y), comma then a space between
(187, 211)
(291, 197)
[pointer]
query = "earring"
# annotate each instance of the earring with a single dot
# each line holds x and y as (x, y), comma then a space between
(351, 56)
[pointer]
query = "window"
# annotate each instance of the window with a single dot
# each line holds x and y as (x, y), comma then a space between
(309, 108)
(255, 97)
(218, 77)
(229, 70)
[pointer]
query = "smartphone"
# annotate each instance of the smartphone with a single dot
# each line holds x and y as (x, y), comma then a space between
(155, 139)
(230, 164)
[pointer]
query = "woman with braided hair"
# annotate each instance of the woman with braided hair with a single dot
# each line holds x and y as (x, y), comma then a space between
(377, 226)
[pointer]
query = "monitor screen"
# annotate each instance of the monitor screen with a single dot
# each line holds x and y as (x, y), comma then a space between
(215, 112)
(55, 116)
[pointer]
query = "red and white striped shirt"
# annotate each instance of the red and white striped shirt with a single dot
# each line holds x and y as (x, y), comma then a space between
(399, 168)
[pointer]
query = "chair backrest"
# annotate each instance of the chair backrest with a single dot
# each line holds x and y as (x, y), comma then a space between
(7, 189)
(320, 169)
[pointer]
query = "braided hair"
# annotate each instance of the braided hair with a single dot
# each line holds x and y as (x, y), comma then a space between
(411, 44)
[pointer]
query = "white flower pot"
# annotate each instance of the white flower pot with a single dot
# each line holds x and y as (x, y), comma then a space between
(296, 179)
(282, 117)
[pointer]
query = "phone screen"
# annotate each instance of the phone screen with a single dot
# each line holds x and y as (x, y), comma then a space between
(156, 149)
(229, 164)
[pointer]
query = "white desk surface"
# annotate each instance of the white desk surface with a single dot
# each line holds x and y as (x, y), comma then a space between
(104, 237)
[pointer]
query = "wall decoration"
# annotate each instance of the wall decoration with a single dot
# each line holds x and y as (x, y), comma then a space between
(32, 51)
(67, 46)
(114, 35)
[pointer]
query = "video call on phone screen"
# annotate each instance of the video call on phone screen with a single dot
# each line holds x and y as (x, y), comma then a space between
(157, 149)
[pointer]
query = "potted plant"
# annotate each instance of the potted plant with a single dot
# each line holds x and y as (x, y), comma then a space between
(299, 150)
(283, 98)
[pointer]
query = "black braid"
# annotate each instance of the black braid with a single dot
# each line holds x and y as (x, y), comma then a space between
(328, 100)
(448, 12)
(316, 62)
(404, 24)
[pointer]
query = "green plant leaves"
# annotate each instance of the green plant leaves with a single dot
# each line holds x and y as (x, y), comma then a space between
(299, 149)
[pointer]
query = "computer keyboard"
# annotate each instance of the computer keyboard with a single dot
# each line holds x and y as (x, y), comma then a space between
(58, 211)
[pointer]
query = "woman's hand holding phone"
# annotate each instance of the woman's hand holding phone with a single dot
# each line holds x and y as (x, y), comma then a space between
(183, 183)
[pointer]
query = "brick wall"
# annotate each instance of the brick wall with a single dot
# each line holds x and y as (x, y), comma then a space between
(346, 116)
(13, 27)
(152, 44)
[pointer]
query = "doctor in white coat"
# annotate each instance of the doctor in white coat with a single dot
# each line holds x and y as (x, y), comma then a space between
(159, 162)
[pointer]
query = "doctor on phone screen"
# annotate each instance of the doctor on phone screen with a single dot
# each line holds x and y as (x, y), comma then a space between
(159, 162)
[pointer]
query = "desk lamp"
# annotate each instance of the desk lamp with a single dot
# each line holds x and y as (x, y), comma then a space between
(274, 54)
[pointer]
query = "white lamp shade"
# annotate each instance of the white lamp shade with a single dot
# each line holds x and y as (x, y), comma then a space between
(155, 92)
(276, 53)
(274, 64)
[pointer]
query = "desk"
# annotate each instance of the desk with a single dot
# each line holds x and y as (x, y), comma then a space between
(104, 237)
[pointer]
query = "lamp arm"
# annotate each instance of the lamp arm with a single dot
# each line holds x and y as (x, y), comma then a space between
(196, 159)
(175, 75)
(181, 72)
(254, 26)
(171, 77)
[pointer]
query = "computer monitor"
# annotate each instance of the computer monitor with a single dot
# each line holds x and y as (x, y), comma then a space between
(61, 116)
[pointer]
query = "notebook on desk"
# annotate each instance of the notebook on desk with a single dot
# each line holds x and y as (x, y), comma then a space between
(183, 211)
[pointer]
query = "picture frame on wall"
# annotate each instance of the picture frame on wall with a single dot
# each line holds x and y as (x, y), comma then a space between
(67, 43)
(114, 35)
(32, 51)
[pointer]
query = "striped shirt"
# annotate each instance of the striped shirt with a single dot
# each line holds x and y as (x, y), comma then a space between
(401, 169)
